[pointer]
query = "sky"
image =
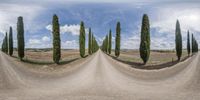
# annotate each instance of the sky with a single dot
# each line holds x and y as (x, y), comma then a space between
(101, 16)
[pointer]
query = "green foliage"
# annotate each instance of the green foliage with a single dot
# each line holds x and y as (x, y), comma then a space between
(82, 40)
(95, 45)
(106, 44)
(117, 41)
(10, 42)
(145, 39)
(188, 43)
(195, 47)
(5, 44)
(178, 40)
(90, 42)
(20, 37)
(56, 39)
(110, 42)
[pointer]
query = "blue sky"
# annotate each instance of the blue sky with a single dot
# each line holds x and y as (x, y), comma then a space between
(100, 16)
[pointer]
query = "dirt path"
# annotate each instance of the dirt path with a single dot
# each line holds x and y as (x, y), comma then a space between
(101, 78)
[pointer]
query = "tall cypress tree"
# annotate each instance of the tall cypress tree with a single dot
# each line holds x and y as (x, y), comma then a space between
(89, 42)
(196, 46)
(20, 37)
(178, 41)
(2, 46)
(82, 40)
(56, 39)
(188, 43)
(110, 42)
(145, 39)
(92, 43)
(106, 46)
(10, 42)
(117, 41)
(6, 43)
(193, 44)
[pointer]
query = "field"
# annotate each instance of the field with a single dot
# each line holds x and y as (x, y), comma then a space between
(158, 59)
(46, 57)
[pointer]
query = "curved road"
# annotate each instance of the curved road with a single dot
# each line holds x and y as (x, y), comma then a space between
(100, 77)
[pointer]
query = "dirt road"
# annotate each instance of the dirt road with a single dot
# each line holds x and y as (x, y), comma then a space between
(100, 78)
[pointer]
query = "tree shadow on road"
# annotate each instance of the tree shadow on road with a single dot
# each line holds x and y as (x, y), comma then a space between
(139, 65)
(63, 62)
(40, 62)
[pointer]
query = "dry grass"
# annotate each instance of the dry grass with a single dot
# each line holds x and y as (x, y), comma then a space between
(46, 57)
(157, 59)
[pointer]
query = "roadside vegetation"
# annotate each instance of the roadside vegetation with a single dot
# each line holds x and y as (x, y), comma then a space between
(57, 57)
(144, 49)
(148, 60)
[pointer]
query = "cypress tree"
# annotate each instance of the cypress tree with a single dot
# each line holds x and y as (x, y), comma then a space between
(89, 42)
(106, 44)
(6, 43)
(56, 39)
(188, 43)
(117, 41)
(110, 42)
(193, 46)
(96, 47)
(145, 39)
(4, 47)
(10, 42)
(92, 43)
(197, 46)
(20, 37)
(103, 46)
(178, 41)
(82, 40)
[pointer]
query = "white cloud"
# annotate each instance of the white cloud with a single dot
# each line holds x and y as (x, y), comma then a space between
(45, 39)
(130, 42)
(157, 42)
(73, 44)
(34, 43)
(71, 29)
(165, 21)
(10, 12)
(189, 19)
(44, 42)
(49, 27)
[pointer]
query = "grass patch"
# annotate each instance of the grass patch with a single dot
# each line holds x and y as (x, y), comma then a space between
(157, 60)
